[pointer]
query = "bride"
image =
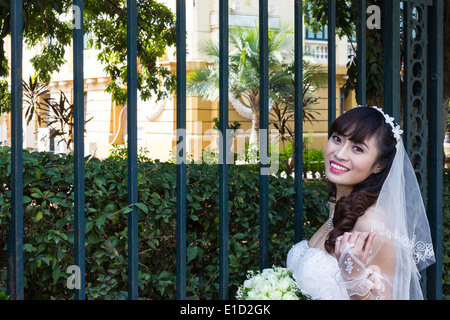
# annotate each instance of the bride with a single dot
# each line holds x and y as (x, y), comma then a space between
(377, 238)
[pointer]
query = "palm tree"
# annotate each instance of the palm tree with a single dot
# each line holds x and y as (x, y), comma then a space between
(244, 79)
(283, 110)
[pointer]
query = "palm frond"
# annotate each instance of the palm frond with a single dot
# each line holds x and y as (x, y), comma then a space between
(204, 82)
(244, 76)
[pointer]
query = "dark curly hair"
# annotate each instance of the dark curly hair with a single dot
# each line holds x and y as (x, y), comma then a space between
(359, 124)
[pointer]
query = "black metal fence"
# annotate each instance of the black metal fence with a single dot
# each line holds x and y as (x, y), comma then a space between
(422, 28)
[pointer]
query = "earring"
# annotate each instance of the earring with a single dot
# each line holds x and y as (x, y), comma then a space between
(378, 170)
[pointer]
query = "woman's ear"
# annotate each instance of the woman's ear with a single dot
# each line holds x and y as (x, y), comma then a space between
(378, 168)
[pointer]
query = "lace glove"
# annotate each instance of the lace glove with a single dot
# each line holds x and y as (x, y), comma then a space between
(355, 275)
(352, 251)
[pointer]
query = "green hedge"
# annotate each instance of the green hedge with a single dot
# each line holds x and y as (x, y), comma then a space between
(49, 232)
(446, 236)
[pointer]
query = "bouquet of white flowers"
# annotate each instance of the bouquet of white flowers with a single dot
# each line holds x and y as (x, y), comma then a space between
(274, 283)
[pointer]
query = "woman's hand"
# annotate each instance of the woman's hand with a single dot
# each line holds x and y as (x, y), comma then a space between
(359, 243)
(352, 250)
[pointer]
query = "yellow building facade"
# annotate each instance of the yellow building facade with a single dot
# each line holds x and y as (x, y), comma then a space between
(157, 120)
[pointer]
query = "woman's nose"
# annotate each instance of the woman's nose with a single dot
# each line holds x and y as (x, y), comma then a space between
(342, 152)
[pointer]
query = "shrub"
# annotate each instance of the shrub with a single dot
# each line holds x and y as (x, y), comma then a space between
(313, 160)
(446, 236)
(49, 230)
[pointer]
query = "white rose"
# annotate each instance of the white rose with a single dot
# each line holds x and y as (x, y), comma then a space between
(252, 295)
(285, 283)
(248, 283)
(276, 295)
(272, 279)
(289, 296)
(259, 281)
(265, 287)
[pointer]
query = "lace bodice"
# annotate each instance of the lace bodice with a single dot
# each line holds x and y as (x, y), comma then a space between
(316, 272)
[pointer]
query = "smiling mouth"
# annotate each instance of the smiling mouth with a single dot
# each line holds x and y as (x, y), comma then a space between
(335, 167)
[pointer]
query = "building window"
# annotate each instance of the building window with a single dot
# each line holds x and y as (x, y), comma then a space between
(321, 35)
(243, 20)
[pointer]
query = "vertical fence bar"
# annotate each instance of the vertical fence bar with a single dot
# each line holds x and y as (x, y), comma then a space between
(435, 142)
(407, 95)
(181, 150)
(361, 52)
(263, 135)
(298, 121)
(132, 149)
(225, 147)
(331, 61)
(415, 101)
(15, 234)
(79, 169)
(391, 62)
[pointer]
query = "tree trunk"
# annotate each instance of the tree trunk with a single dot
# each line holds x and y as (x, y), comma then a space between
(254, 105)
(254, 135)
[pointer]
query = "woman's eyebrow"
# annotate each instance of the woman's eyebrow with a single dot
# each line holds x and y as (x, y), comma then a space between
(363, 143)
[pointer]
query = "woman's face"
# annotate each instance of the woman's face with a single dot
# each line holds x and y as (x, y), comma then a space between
(348, 163)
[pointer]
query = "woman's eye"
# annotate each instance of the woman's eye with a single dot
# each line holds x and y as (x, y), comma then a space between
(358, 149)
(336, 138)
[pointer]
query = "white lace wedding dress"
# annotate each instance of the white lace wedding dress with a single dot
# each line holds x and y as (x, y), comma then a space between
(316, 272)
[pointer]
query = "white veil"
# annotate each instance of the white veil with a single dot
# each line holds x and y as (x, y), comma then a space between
(401, 225)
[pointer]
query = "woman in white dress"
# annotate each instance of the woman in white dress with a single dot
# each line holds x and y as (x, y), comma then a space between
(377, 238)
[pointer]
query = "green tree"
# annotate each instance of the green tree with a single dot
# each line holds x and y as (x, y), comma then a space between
(244, 77)
(447, 63)
(107, 21)
(45, 24)
(315, 15)
(58, 113)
